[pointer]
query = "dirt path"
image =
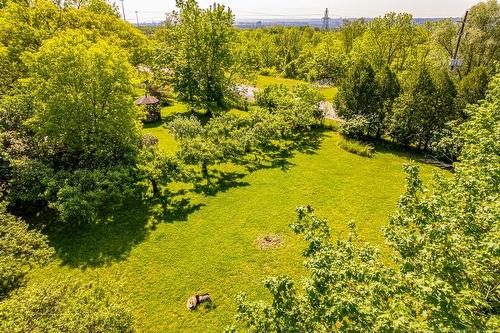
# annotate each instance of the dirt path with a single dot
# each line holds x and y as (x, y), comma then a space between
(328, 110)
(247, 91)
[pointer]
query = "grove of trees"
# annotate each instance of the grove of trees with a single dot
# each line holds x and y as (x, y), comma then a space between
(73, 153)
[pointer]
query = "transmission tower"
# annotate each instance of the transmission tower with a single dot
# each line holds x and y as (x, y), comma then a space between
(326, 20)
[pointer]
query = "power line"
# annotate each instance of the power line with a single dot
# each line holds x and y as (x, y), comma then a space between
(123, 11)
(454, 61)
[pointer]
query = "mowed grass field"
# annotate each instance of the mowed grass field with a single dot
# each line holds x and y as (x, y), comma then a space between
(262, 81)
(207, 242)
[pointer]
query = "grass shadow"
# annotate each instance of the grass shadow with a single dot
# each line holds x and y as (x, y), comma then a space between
(279, 154)
(220, 181)
(169, 209)
(418, 155)
(100, 244)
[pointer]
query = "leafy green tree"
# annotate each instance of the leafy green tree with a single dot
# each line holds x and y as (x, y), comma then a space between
(85, 195)
(71, 137)
(289, 45)
(265, 127)
(282, 51)
(17, 147)
(480, 45)
(21, 249)
(424, 107)
(24, 25)
(156, 170)
(389, 41)
(350, 31)
(204, 43)
(295, 109)
(446, 253)
(85, 94)
(64, 307)
(194, 148)
(356, 127)
(359, 95)
(26, 181)
(224, 138)
(472, 88)
(325, 63)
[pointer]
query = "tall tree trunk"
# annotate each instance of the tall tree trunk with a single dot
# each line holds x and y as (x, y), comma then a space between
(204, 171)
(154, 184)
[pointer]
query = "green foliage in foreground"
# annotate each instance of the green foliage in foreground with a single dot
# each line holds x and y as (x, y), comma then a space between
(447, 252)
(356, 147)
(20, 250)
(63, 307)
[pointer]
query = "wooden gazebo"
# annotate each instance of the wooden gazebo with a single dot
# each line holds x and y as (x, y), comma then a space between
(152, 106)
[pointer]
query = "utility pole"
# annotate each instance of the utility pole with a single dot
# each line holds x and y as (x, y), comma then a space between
(326, 20)
(137, 17)
(454, 61)
(123, 10)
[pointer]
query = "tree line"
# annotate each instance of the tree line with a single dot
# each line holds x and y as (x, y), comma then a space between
(393, 75)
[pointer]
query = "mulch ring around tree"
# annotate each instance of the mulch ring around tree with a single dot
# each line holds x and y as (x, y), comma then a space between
(269, 242)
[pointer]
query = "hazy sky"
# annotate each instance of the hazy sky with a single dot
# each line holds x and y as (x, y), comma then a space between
(149, 10)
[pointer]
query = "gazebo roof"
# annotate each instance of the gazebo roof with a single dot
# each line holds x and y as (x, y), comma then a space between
(146, 100)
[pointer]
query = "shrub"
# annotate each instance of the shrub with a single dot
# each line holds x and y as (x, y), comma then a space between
(356, 147)
(355, 127)
(63, 307)
(20, 250)
(86, 195)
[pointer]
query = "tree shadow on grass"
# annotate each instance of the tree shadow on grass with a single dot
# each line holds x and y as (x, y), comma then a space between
(220, 181)
(279, 154)
(169, 209)
(100, 244)
(417, 155)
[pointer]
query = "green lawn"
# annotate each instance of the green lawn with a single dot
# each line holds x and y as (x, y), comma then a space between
(166, 141)
(263, 81)
(329, 93)
(206, 243)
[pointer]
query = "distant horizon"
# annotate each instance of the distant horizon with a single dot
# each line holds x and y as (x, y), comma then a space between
(263, 10)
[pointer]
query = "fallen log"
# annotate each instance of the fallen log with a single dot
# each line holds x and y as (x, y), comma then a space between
(195, 300)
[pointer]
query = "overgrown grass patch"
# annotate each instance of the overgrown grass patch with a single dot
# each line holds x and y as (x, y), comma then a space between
(266, 81)
(328, 93)
(357, 147)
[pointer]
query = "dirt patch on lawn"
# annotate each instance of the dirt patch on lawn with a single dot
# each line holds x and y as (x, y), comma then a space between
(269, 242)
